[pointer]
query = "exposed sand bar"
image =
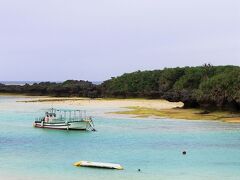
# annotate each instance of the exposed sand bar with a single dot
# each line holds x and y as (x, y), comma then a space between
(143, 108)
(118, 103)
(49, 99)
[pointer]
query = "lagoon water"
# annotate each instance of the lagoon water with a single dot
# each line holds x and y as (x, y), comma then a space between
(154, 146)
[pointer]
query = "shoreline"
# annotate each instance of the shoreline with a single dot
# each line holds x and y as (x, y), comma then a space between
(140, 108)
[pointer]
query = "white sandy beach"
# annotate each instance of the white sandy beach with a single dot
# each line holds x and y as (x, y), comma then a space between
(107, 103)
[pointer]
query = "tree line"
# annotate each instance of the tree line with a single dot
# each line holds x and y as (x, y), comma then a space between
(69, 88)
(204, 86)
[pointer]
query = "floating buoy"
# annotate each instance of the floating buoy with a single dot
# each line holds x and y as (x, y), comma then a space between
(98, 165)
(139, 170)
(184, 152)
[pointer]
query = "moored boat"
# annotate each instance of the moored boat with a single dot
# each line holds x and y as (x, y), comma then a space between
(65, 120)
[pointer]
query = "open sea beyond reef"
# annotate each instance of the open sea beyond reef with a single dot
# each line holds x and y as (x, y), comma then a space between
(21, 83)
(154, 146)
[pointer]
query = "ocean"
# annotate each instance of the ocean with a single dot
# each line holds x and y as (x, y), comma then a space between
(21, 83)
(154, 146)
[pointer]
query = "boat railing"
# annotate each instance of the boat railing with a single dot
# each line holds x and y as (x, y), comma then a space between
(69, 115)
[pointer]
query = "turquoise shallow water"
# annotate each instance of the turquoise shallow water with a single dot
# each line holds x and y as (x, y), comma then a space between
(154, 146)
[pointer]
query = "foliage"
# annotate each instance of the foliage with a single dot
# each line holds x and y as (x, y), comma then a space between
(67, 89)
(203, 86)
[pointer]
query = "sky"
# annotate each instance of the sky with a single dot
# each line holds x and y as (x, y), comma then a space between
(56, 40)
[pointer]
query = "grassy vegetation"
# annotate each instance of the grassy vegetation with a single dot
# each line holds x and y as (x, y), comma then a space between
(180, 113)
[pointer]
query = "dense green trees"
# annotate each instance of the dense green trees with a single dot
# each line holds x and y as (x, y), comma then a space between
(222, 90)
(137, 84)
(204, 86)
(67, 89)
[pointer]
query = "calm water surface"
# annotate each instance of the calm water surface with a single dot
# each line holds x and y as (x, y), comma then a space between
(154, 146)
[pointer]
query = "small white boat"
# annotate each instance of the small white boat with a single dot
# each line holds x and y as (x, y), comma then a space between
(98, 165)
(65, 120)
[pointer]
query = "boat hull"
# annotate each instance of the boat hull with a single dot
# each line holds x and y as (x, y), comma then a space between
(80, 125)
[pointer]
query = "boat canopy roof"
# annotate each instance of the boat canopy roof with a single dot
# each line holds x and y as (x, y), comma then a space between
(66, 112)
(53, 110)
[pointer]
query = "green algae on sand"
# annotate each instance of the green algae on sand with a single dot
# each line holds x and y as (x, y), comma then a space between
(180, 113)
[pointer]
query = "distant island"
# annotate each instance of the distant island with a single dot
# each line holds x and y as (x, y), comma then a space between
(207, 86)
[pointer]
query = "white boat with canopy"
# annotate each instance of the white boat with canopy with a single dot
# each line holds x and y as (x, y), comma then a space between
(65, 120)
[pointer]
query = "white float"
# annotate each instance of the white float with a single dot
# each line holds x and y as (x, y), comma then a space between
(98, 165)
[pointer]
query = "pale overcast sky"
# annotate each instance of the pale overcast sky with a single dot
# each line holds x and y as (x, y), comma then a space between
(96, 39)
